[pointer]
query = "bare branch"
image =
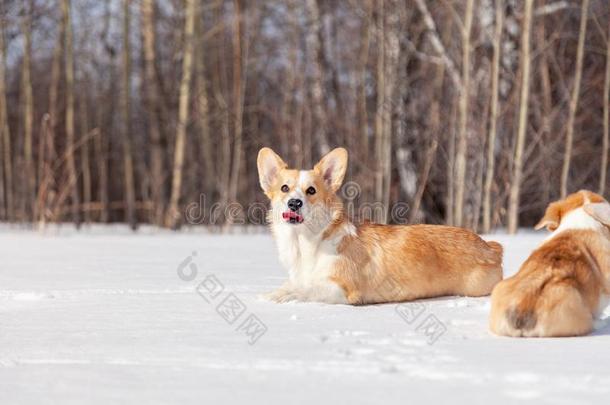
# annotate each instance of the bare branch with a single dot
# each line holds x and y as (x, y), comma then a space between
(438, 46)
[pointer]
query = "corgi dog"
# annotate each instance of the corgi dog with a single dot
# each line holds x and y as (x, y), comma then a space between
(330, 260)
(564, 284)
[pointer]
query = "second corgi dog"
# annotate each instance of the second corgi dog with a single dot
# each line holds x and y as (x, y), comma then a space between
(330, 260)
(562, 286)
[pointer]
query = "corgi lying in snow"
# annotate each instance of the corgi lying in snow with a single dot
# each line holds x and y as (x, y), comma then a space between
(562, 286)
(332, 261)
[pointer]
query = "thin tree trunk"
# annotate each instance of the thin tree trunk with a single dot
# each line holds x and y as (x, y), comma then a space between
(604, 165)
(574, 98)
(547, 105)
(317, 88)
(70, 135)
(44, 174)
(327, 40)
(392, 53)
(515, 187)
(5, 134)
(362, 63)
(101, 141)
(203, 114)
(130, 192)
(462, 145)
(102, 172)
(423, 181)
(2, 192)
(85, 165)
(403, 152)
(238, 99)
(491, 137)
(382, 105)
(219, 87)
(449, 210)
(56, 65)
(438, 46)
(149, 37)
(29, 176)
(291, 89)
(173, 214)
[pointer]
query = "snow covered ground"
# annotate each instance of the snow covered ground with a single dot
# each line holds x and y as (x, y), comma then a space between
(106, 316)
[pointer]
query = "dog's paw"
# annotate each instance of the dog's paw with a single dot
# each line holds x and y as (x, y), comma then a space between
(281, 296)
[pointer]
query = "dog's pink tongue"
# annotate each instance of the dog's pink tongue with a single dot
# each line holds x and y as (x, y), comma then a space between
(290, 215)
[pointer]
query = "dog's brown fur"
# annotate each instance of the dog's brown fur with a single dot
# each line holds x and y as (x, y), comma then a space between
(557, 291)
(400, 263)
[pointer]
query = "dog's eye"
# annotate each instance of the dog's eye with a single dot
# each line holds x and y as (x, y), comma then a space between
(311, 191)
(285, 188)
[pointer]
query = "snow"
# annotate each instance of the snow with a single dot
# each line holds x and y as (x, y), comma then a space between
(102, 316)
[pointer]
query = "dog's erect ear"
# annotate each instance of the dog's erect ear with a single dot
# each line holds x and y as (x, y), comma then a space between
(332, 167)
(551, 218)
(599, 211)
(269, 165)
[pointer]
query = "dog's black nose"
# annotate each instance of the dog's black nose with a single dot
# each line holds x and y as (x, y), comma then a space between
(294, 204)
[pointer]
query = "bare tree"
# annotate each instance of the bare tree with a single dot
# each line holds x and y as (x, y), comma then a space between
(605, 142)
(130, 192)
(5, 134)
(28, 182)
(70, 135)
(149, 37)
(172, 216)
(363, 58)
(567, 158)
(437, 44)
(383, 104)
(50, 155)
(491, 137)
(84, 160)
(203, 112)
(314, 51)
(462, 145)
(238, 97)
(513, 207)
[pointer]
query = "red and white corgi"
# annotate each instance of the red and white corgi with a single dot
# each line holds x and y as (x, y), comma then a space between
(563, 285)
(332, 261)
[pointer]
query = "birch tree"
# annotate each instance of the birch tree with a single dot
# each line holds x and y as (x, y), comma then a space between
(173, 215)
(51, 135)
(363, 58)
(604, 165)
(515, 187)
(5, 134)
(567, 158)
(28, 182)
(128, 170)
(203, 113)
(491, 137)
(70, 135)
(462, 144)
(317, 88)
(148, 32)
(238, 97)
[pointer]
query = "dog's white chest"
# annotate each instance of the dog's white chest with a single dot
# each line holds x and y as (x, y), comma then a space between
(310, 262)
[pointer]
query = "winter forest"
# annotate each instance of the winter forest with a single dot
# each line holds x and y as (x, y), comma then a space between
(474, 113)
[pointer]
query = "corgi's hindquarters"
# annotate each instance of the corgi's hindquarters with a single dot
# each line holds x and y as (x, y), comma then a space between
(555, 293)
(558, 311)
